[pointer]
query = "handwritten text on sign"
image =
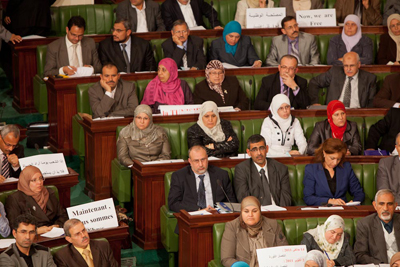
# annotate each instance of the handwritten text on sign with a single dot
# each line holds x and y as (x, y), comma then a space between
(265, 17)
(95, 215)
(48, 164)
(168, 110)
(288, 256)
(316, 17)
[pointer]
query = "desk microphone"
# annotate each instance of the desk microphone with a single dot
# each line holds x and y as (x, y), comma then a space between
(250, 83)
(212, 13)
(220, 185)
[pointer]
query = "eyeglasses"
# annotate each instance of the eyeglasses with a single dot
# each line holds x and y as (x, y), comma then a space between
(216, 73)
(181, 32)
(24, 232)
(397, 25)
(197, 161)
(40, 179)
(256, 149)
(289, 68)
(117, 30)
(8, 145)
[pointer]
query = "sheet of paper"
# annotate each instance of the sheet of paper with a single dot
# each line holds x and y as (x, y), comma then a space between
(11, 179)
(199, 212)
(265, 17)
(168, 110)
(83, 72)
(197, 28)
(241, 156)
(213, 158)
(5, 243)
(108, 118)
(316, 17)
(330, 208)
(279, 155)
(354, 203)
(288, 256)
(55, 232)
(49, 164)
(33, 37)
(163, 161)
(272, 208)
(230, 66)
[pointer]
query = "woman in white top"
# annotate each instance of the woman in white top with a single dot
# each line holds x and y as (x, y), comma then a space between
(281, 130)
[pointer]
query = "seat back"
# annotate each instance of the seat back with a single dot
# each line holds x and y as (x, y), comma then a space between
(82, 98)
(167, 186)
(257, 42)
(369, 121)
(183, 127)
(41, 51)
(369, 182)
(174, 138)
(157, 49)
(247, 84)
(5, 194)
(299, 200)
(218, 232)
(308, 125)
(249, 127)
(140, 88)
(323, 45)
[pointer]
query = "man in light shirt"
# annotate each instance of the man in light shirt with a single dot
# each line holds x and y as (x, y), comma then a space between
(10, 152)
(74, 50)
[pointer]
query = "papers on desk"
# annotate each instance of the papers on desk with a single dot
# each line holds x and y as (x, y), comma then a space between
(213, 158)
(323, 208)
(168, 110)
(241, 156)
(398, 208)
(279, 155)
(5, 243)
(354, 203)
(163, 161)
(10, 179)
(55, 232)
(108, 118)
(230, 66)
(272, 208)
(197, 28)
(199, 212)
(82, 72)
(32, 37)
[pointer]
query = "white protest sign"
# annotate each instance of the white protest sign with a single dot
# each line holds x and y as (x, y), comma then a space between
(168, 110)
(316, 17)
(49, 164)
(95, 215)
(288, 256)
(265, 17)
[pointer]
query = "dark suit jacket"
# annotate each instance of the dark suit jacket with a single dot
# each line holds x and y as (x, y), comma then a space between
(271, 86)
(337, 49)
(195, 54)
(183, 192)
(387, 50)
(142, 57)
(18, 203)
(19, 152)
(153, 15)
(247, 182)
(370, 246)
(171, 12)
(388, 175)
(57, 56)
(370, 16)
(335, 79)
(101, 252)
(389, 94)
(123, 104)
(245, 54)
(316, 189)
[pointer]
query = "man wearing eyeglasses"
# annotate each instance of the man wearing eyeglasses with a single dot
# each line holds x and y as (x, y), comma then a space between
(24, 252)
(10, 152)
(185, 49)
(66, 54)
(262, 177)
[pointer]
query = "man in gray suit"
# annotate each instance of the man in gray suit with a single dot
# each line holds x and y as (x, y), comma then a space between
(145, 16)
(264, 178)
(354, 87)
(74, 50)
(112, 96)
(378, 235)
(293, 42)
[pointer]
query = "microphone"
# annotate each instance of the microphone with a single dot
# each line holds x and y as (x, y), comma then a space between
(212, 13)
(250, 83)
(220, 185)
(37, 148)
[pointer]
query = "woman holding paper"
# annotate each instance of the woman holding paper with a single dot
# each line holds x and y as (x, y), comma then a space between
(292, 6)
(166, 88)
(315, 258)
(243, 5)
(331, 239)
(249, 232)
(142, 140)
(329, 179)
(281, 130)
(34, 198)
(389, 45)
(215, 134)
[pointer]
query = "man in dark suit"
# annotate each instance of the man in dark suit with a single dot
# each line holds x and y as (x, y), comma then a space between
(129, 53)
(196, 187)
(389, 95)
(144, 16)
(66, 54)
(112, 96)
(354, 87)
(10, 152)
(186, 50)
(264, 178)
(378, 235)
(283, 82)
(82, 251)
(173, 10)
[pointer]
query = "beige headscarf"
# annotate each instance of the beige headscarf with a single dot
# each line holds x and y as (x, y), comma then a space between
(216, 133)
(395, 38)
(25, 177)
(301, 5)
(217, 87)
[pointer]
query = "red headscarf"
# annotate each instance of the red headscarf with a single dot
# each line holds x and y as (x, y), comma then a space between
(333, 106)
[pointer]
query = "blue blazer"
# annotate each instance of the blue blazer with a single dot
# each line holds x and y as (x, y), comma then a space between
(316, 189)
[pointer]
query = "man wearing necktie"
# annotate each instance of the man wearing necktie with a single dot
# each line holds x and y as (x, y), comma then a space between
(10, 152)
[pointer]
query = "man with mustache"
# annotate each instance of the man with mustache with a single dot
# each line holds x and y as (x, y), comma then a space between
(112, 96)
(262, 177)
(378, 235)
(10, 152)
(82, 251)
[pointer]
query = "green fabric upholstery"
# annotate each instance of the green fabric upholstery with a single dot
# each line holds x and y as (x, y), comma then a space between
(380, 77)
(330, 3)
(360, 127)
(249, 127)
(293, 182)
(308, 125)
(238, 131)
(157, 49)
(298, 186)
(323, 45)
(5, 194)
(184, 145)
(247, 87)
(307, 76)
(39, 86)
(140, 88)
(174, 138)
(226, 10)
(257, 42)
(218, 232)
(369, 182)
(121, 182)
(267, 41)
(369, 121)
(191, 82)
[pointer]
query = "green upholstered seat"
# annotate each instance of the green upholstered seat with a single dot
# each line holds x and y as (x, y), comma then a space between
(54, 250)
(323, 45)
(39, 86)
(298, 199)
(258, 44)
(157, 48)
(267, 41)
(141, 87)
(308, 125)
(5, 194)
(380, 77)
(369, 121)
(374, 48)
(249, 127)
(330, 3)
(226, 10)
(191, 82)
(174, 138)
(246, 82)
(183, 127)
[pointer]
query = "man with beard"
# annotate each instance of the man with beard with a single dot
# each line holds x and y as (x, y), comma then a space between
(378, 235)
(129, 53)
(82, 251)
(112, 96)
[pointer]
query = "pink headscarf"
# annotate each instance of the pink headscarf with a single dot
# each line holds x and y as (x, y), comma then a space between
(170, 92)
(351, 41)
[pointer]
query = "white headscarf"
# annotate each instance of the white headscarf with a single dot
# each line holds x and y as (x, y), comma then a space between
(351, 41)
(276, 103)
(317, 256)
(216, 132)
(333, 222)
(395, 38)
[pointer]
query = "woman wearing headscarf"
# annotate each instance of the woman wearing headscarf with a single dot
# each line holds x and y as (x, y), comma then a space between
(249, 232)
(243, 5)
(292, 6)
(34, 198)
(142, 140)
(280, 129)
(389, 44)
(166, 88)
(351, 39)
(222, 90)
(336, 126)
(215, 134)
(331, 239)
(234, 48)
(315, 258)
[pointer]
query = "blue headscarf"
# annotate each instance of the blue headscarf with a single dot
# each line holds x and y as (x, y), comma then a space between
(232, 26)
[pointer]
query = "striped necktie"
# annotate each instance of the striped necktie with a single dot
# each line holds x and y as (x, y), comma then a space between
(5, 167)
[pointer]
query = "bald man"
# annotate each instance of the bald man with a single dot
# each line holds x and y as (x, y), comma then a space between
(356, 88)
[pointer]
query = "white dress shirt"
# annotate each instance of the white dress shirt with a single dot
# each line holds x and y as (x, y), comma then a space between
(354, 101)
(70, 50)
(127, 48)
(141, 18)
(266, 175)
(207, 186)
(112, 93)
(188, 14)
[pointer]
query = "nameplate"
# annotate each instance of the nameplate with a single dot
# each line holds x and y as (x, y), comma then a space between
(316, 17)
(265, 17)
(49, 164)
(288, 256)
(169, 110)
(95, 215)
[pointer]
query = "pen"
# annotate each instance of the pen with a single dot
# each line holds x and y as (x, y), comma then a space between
(327, 255)
(69, 67)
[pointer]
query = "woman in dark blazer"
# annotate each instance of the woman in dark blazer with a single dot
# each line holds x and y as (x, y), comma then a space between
(234, 48)
(330, 178)
(295, 5)
(389, 44)
(34, 198)
(221, 89)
